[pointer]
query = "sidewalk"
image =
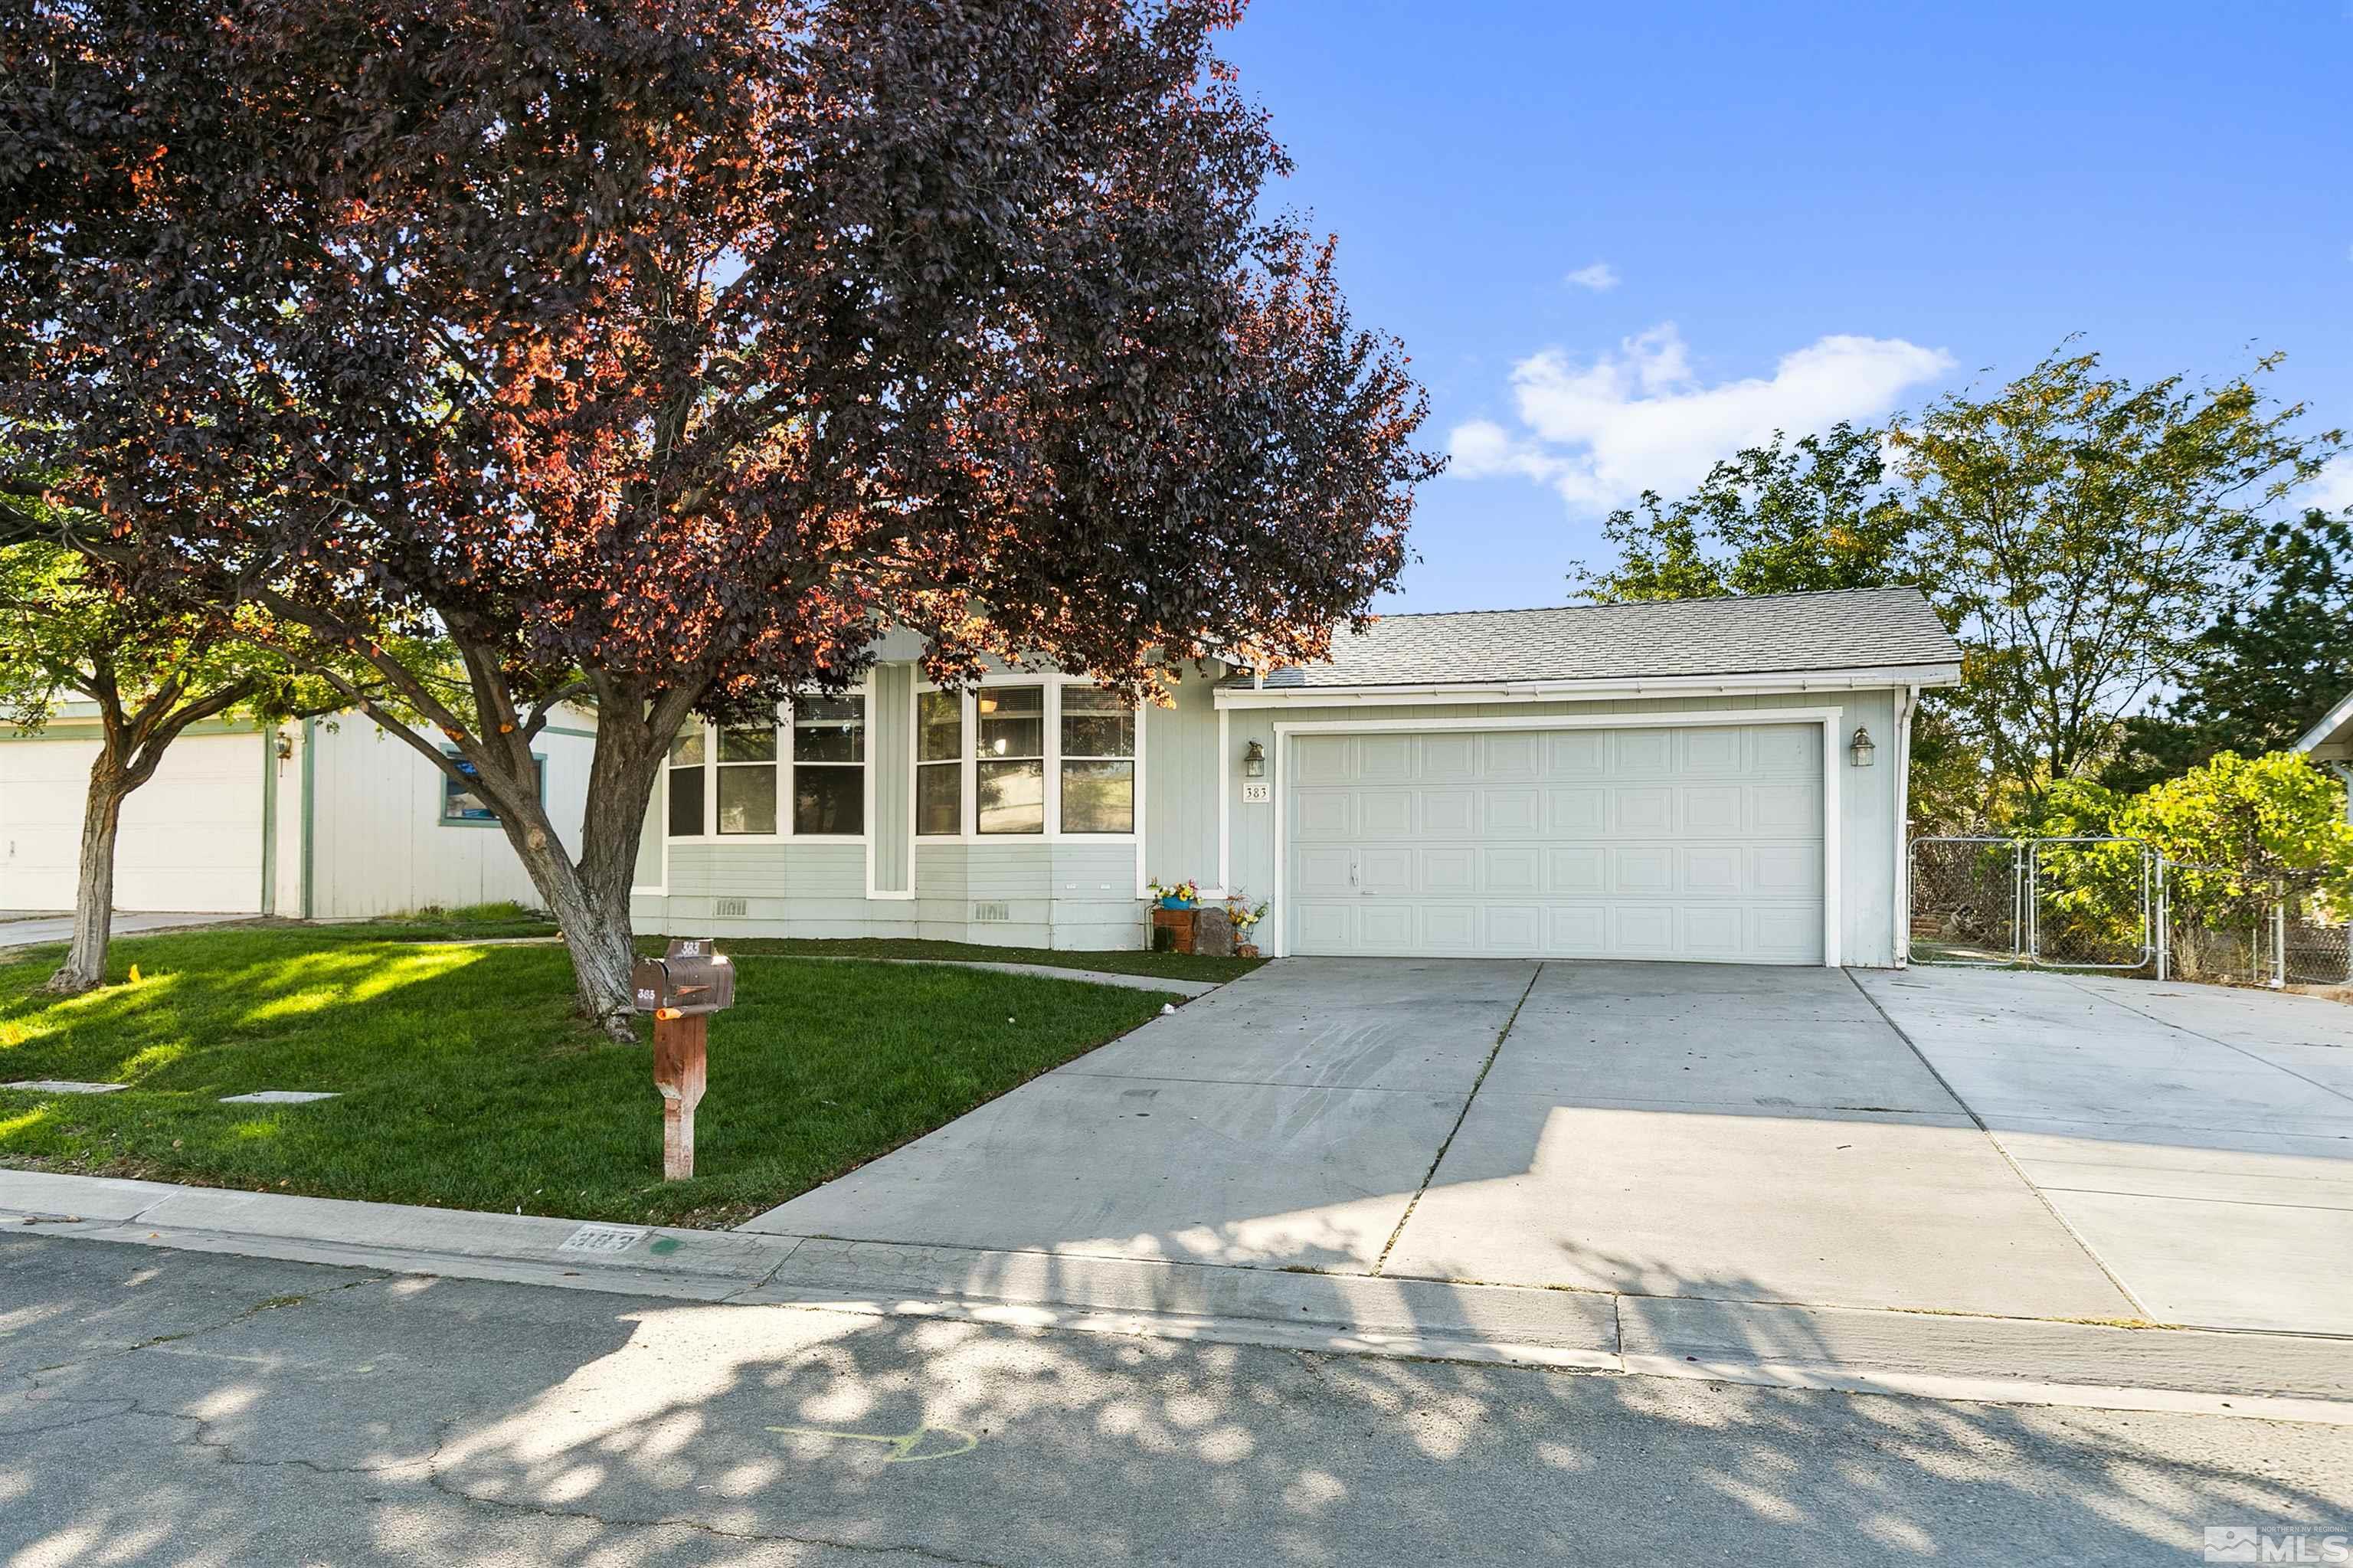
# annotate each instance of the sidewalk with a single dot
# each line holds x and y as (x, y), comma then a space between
(1992, 1359)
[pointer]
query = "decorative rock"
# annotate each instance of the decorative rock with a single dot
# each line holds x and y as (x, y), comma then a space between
(278, 1098)
(1213, 933)
(62, 1087)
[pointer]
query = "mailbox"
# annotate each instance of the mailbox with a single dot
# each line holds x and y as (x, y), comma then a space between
(688, 981)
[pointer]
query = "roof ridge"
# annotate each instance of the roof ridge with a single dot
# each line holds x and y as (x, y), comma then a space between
(1632, 603)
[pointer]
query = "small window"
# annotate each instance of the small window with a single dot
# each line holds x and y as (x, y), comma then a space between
(829, 765)
(1098, 762)
(1010, 752)
(464, 804)
(686, 753)
(939, 763)
(748, 780)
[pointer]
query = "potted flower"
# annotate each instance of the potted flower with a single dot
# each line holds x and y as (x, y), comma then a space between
(1244, 918)
(1185, 894)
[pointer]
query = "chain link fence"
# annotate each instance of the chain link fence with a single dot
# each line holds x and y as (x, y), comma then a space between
(2115, 904)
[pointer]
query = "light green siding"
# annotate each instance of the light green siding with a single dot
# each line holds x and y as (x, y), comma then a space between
(889, 742)
(1180, 796)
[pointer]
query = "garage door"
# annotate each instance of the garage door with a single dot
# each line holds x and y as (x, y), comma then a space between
(191, 836)
(1691, 843)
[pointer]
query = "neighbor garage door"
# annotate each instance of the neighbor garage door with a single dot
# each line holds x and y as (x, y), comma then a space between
(191, 836)
(1700, 843)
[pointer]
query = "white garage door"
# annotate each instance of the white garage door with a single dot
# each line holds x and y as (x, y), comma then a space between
(191, 836)
(1694, 843)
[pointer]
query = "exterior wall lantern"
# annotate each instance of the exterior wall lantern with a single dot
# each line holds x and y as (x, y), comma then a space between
(1860, 749)
(1253, 761)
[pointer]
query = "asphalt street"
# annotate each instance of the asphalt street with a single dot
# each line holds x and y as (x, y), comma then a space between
(162, 1406)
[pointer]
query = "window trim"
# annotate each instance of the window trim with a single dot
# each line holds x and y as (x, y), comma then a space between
(863, 692)
(442, 815)
(968, 824)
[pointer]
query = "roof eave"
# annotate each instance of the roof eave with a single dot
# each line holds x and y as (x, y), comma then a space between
(2336, 723)
(1853, 678)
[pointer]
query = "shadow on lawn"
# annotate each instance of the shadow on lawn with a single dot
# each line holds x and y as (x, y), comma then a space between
(416, 1420)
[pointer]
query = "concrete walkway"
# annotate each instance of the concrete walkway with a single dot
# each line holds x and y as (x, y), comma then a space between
(20, 928)
(2198, 1139)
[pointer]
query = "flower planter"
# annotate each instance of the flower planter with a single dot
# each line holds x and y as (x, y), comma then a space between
(1180, 904)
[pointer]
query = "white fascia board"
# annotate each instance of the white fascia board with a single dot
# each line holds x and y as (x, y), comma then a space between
(1595, 690)
(2339, 717)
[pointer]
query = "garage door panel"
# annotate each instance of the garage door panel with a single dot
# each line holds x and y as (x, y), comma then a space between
(1384, 813)
(1713, 809)
(1326, 814)
(1513, 929)
(1445, 928)
(1584, 869)
(1449, 814)
(1510, 755)
(1715, 868)
(1577, 814)
(190, 838)
(1643, 809)
(1507, 812)
(1642, 868)
(1713, 752)
(1385, 870)
(1577, 752)
(1672, 842)
(1510, 869)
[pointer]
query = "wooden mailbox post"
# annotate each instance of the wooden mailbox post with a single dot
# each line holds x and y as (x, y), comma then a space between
(681, 988)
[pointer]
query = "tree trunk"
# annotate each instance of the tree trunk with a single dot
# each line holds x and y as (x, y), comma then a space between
(590, 898)
(85, 966)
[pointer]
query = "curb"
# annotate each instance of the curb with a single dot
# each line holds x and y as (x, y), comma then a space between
(2280, 1377)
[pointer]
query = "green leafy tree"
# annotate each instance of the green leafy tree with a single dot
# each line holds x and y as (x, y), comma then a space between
(2242, 831)
(1785, 517)
(154, 660)
(2276, 658)
(2074, 528)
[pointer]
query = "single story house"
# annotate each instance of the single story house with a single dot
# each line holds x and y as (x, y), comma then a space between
(2330, 743)
(325, 818)
(1717, 780)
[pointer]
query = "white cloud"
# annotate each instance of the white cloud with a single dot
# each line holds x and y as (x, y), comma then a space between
(2333, 491)
(1637, 418)
(1600, 277)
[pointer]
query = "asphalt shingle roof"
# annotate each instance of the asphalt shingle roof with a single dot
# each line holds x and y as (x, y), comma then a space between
(1770, 633)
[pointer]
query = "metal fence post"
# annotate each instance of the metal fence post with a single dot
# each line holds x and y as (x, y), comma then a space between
(2279, 938)
(2163, 918)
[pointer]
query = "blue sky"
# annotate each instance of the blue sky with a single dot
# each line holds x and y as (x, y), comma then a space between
(1796, 214)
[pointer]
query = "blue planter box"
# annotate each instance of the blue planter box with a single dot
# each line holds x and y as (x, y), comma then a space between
(1180, 904)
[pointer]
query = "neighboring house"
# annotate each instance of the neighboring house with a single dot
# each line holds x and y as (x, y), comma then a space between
(2330, 743)
(1684, 780)
(322, 819)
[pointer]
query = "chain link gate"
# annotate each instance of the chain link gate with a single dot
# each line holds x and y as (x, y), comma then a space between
(2070, 902)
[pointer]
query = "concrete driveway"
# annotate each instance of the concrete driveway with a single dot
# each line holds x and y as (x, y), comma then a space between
(2198, 1139)
(1747, 1134)
(27, 928)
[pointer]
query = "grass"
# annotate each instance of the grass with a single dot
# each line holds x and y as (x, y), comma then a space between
(466, 1082)
(1167, 966)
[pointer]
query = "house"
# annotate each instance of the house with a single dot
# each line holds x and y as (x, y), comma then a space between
(321, 818)
(1716, 780)
(2330, 743)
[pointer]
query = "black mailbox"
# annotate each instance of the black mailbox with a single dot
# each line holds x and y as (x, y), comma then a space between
(687, 980)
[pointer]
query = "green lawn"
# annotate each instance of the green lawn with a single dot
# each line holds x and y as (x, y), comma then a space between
(466, 1082)
(1169, 966)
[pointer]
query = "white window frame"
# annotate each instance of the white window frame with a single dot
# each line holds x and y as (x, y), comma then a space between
(864, 692)
(968, 820)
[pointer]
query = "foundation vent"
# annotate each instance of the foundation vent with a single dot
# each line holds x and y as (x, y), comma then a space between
(727, 908)
(992, 914)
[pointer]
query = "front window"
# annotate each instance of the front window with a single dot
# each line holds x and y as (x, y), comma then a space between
(1098, 762)
(829, 765)
(1009, 759)
(939, 763)
(686, 754)
(464, 802)
(748, 780)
